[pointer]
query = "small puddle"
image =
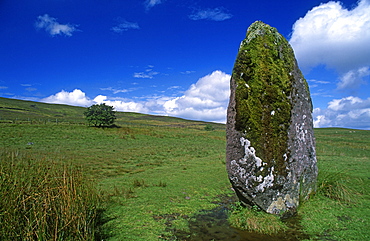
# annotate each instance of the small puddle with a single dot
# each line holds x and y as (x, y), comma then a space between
(213, 225)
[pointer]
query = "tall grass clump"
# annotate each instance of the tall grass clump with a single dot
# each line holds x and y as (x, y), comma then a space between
(42, 199)
(336, 185)
(255, 220)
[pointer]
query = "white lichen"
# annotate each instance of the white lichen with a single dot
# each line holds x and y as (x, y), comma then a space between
(250, 152)
(250, 158)
(268, 181)
(239, 172)
(285, 156)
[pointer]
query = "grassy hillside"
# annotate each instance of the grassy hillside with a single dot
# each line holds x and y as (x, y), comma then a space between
(20, 111)
(12, 110)
(164, 178)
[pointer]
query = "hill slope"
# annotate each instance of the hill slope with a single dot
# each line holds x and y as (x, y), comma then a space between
(11, 109)
(22, 111)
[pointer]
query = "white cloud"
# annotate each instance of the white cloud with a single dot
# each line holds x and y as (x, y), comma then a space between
(125, 26)
(147, 74)
(122, 105)
(337, 38)
(50, 25)
(76, 97)
(116, 91)
(151, 3)
(318, 81)
(353, 79)
(216, 14)
(334, 36)
(3, 87)
(317, 88)
(350, 111)
(205, 100)
(79, 98)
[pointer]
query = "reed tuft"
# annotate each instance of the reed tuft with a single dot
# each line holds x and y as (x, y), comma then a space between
(43, 199)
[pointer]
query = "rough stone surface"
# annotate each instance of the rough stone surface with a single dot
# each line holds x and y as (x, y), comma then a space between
(271, 158)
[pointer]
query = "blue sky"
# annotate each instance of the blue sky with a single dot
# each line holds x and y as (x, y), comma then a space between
(175, 58)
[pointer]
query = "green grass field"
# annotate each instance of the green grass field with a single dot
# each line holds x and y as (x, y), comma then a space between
(164, 178)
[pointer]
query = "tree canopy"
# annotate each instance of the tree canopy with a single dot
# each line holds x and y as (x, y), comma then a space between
(100, 115)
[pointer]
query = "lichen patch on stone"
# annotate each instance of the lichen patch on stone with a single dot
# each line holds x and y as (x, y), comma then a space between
(282, 203)
(268, 181)
(250, 152)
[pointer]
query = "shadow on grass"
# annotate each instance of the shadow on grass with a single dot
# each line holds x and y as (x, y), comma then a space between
(102, 232)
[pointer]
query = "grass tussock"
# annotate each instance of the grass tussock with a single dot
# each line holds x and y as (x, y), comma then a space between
(45, 200)
(254, 220)
(338, 186)
(139, 183)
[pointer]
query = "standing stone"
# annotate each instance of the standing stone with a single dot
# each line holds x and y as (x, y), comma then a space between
(271, 158)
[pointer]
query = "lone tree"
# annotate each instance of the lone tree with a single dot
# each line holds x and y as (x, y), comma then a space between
(100, 115)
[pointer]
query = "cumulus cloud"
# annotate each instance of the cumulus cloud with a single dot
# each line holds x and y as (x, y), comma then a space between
(76, 97)
(205, 100)
(79, 98)
(50, 25)
(350, 111)
(337, 38)
(334, 36)
(215, 14)
(124, 26)
(121, 104)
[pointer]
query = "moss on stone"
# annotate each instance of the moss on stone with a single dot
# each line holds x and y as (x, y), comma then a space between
(263, 74)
